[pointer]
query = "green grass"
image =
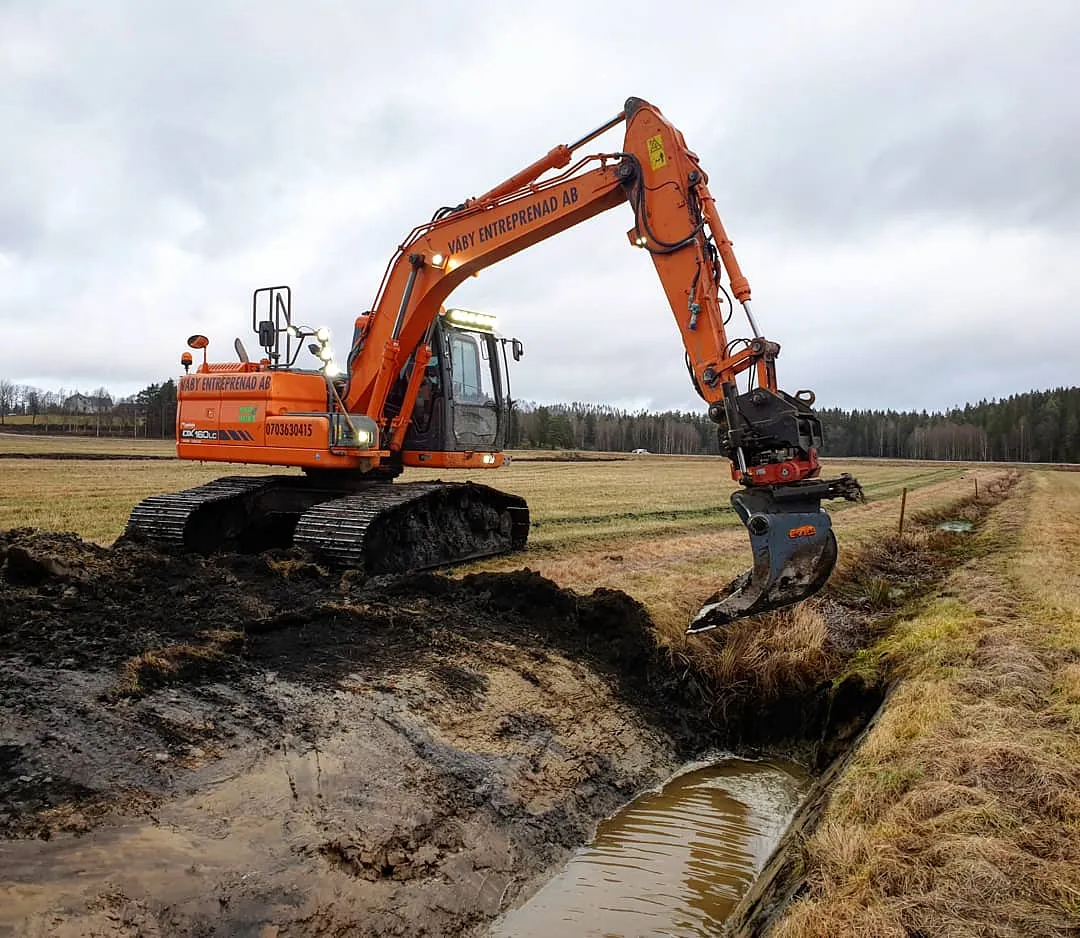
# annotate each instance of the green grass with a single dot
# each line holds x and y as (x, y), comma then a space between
(960, 812)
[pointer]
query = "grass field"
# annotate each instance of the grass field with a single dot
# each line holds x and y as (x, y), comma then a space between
(59, 443)
(660, 528)
(587, 508)
(960, 814)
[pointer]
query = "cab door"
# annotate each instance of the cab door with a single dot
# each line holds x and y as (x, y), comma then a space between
(475, 398)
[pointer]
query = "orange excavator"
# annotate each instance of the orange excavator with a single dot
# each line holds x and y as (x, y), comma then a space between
(426, 385)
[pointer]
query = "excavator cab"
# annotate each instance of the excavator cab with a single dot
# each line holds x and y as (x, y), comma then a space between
(463, 403)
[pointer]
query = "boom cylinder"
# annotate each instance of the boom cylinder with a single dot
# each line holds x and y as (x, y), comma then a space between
(556, 158)
(603, 128)
(753, 322)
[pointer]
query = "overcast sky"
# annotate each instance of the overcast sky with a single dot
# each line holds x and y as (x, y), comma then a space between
(901, 180)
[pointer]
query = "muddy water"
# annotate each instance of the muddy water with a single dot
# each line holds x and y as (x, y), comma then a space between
(671, 863)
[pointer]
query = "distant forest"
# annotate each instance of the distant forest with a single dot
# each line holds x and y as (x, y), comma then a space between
(1040, 426)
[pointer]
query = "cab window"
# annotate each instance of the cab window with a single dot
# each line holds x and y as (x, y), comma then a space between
(471, 379)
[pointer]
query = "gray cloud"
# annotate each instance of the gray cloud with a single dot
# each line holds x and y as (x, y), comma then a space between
(898, 177)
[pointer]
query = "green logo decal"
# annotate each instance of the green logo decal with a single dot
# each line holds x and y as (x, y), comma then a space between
(247, 414)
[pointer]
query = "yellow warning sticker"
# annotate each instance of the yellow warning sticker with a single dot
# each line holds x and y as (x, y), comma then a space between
(656, 152)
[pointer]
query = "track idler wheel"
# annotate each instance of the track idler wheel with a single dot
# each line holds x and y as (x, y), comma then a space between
(794, 551)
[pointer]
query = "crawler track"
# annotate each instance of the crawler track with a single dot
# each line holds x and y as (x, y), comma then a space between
(379, 527)
(414, 526)
(202, 519)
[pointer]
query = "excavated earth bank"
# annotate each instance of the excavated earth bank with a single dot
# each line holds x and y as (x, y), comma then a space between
(260, 747)
(253, 745)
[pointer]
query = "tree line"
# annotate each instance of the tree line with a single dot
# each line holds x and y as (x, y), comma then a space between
(608, 429)
(1038, 426)
(151, 412)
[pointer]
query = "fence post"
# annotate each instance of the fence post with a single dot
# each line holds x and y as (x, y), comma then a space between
(903, 505)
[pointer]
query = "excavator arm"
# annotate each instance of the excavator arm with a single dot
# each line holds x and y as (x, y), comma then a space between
(770, 437)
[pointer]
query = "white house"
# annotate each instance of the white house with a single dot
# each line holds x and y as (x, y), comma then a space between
(85, 404)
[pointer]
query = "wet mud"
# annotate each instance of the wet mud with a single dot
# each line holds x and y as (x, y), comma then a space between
(252, 745)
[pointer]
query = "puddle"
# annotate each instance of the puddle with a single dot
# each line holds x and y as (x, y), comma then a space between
(672, 863)
(956, 527)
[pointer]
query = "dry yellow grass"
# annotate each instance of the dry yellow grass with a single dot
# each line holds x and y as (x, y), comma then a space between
(960, 814)
(659, 528)
(674, 570)
(55, 442)
(153, 668)
(573, 504)
(759, 659)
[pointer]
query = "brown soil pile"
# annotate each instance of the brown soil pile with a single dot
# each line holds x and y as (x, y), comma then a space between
(393, 756)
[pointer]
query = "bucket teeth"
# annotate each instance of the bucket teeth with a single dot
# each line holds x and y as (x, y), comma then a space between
(794, 554)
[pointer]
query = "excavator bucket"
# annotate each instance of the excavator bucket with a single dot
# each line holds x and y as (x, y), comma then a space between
(794, 550)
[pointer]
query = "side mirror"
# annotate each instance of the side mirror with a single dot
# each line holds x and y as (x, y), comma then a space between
(518, 349)
(267, 333)
(198, 341)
